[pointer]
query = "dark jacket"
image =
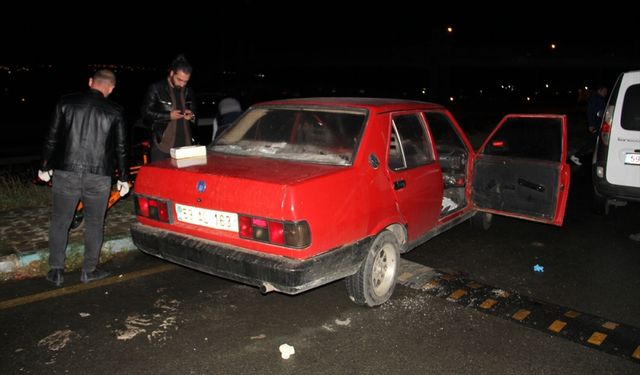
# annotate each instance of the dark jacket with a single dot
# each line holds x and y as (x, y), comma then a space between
(595, 110)
(87, 134)
(156, 107)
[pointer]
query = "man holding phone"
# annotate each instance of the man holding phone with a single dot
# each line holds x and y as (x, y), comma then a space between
(168, 109)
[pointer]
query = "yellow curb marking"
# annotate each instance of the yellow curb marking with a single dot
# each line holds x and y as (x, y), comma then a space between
(81, 287)
(405, 276)
(572, 314)
(521, 314)
(457, 294)
(610, 325)
(474, 285)
(431, 284)
(557, 326)
(597, 338)
(488, 303)
(636, 353)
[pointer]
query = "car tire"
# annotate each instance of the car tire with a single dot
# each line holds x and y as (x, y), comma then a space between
(481, 220)
(375, 281)
(600, 205)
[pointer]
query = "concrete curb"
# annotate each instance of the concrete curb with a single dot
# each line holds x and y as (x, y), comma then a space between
(15, 262)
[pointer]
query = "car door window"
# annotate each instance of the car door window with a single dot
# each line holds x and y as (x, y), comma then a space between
(409, 145)
(631, 109)
(527, 137)
(452, 158)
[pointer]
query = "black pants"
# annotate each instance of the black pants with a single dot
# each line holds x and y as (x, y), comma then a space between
(68, 189)
(588, 146)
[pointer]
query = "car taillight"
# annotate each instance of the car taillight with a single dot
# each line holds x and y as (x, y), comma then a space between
(152, 208)
(605, 128)
(142, 206)
(285, 233)
(605, 133)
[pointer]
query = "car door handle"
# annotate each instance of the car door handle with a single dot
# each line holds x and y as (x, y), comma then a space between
(397, 185)
(531, 185)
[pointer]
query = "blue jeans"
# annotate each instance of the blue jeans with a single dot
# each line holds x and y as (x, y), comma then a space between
(68, 189)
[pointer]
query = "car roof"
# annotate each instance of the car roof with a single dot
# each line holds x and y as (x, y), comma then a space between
(373, 104)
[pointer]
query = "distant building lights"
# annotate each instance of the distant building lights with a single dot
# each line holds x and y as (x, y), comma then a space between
(553, 46)
(449, 29)
(451, 98)
(528, 98)
(423, 91)
(546, 85)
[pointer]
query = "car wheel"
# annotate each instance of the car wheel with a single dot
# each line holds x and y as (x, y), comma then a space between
(481, 220)
(78, 220)
(600, 204)
(375, 281)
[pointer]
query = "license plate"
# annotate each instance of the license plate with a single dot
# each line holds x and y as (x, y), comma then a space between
(632, 158)
(207, 218)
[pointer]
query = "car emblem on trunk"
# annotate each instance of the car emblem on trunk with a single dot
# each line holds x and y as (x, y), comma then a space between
(201, 186)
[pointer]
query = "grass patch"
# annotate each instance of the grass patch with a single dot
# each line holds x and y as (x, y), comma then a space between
(18, 191)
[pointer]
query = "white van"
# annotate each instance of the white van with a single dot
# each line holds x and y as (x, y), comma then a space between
(616, 160)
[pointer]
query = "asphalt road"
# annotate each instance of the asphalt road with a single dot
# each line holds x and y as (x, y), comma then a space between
(181, 321)
(154, 318)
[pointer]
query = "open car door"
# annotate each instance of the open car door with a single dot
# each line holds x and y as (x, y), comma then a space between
(520, 170)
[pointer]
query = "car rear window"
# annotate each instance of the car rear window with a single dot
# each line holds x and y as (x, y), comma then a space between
(631, 109)
(309, 134)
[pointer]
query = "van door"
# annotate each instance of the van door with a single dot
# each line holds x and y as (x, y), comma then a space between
(623, 156)
(520, 170)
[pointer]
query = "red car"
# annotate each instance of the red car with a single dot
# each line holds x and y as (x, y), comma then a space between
(302, 192)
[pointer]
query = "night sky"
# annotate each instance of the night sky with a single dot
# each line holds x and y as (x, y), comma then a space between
(337, 48)
(498, 55)
(262, 29)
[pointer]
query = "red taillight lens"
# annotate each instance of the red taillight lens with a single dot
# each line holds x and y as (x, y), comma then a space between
(152, 208)
(605, 133)
(142, 206)
(163, 212)
(276, 232)
(246, 231)
(290, 234)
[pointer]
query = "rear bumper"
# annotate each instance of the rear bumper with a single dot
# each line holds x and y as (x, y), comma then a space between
(287, 275)
(609, 191)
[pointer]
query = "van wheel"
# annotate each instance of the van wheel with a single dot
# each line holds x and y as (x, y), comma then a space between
(600, 205)
(481, 220)
(375, 281)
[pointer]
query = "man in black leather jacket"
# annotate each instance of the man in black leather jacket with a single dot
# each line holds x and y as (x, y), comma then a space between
(168, 108)
(86, 137)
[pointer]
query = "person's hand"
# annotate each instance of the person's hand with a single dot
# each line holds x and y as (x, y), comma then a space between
(176, 114)
(45, 175)
(123, 188)
(189, 116)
